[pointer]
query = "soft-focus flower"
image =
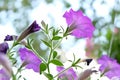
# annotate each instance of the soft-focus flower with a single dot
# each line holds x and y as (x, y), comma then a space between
(80, 24)
(33, 62)
(84, 75)
(89, 47)
(69, 74)
(6, 70)
(3, 47)
(109, 66)
(10, 38)
(116, 30)
(34, 27)
(4, 75)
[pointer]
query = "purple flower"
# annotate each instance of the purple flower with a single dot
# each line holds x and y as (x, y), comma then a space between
(33, 62)
(69, 74)
(109, 66)
(84, 75)
(4, 47)
(4, 75)
(6, 71)
(10, 38)
(81, 25)
(34, 27)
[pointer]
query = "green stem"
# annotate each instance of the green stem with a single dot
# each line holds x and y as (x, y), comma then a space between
(111, 42)
(18, 70)
(13, 77)
(51, 51)
(62, 71)
(8, 52)
(38, 54)
(58, 43)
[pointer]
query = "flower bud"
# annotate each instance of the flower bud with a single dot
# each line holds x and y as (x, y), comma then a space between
(4, 47)
(34, 27)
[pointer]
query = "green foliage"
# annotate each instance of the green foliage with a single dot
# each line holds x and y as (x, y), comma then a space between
(49, 1)
(56, 38)
(49, 76)
(46, 43)
(54, 54)
(43, 67)
(56, 62)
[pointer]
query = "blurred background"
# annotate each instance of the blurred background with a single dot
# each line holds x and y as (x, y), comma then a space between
(16, 15)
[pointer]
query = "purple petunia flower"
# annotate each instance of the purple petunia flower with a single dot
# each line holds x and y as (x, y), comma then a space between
(6, 70)
(4, 75)
(4, 47)
(10, 38)
(69, 74)
(34, 27)
(109, 66)
(81, 25)
(33, 62)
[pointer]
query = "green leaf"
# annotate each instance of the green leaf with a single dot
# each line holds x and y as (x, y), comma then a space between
(113, 16)
(76, 62)
(46, 43)
(43, 67)
(66, 32)
(55, 32)
(56, 62)
(29, 43)
(56, 38)
(54, 54)
(43, 24)
(49, 76)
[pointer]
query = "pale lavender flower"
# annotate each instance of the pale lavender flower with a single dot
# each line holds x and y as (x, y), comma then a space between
(6, 71)
(70, 74)
(4, 75)
(109, 66)
(4, 47)
(33, 62)
(80, 24)
(34, 27)
(87, 73)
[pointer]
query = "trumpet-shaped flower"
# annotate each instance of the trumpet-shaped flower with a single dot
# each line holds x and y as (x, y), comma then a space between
(33, 62)
(4, 75)
(109, 66)
(69, 74)
(34, 27)
(80, 24)
(6, 71)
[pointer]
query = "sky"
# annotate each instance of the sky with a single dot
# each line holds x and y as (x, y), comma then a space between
(56, 10)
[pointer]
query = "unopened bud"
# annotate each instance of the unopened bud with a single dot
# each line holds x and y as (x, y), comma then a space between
(84, 75)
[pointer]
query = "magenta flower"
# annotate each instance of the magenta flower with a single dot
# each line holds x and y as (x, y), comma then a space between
(109, 66)
(81, 25)
(33, 62)
(4, 47)
(69, 74)
(34, 27)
